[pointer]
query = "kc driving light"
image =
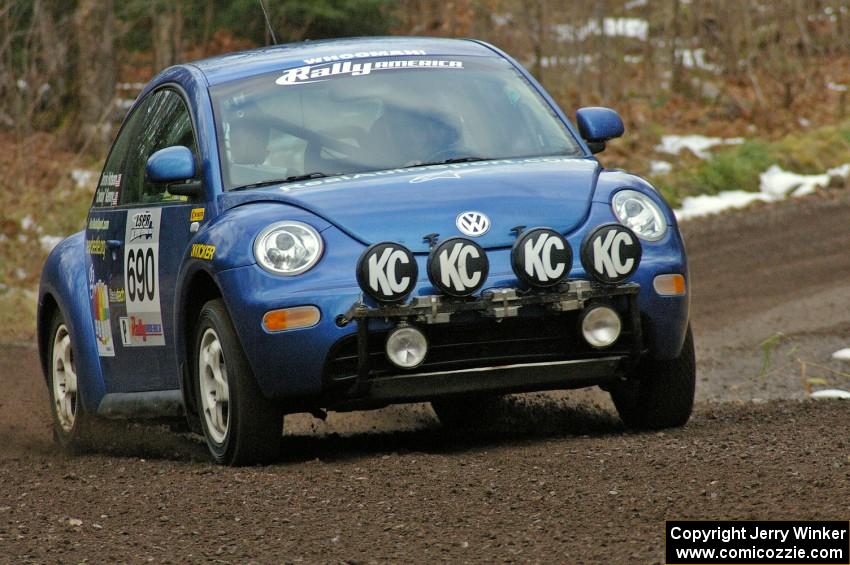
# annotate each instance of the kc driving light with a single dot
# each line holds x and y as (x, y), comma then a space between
(406, 347)
(639, 213)
(288, 248)
(600, 326)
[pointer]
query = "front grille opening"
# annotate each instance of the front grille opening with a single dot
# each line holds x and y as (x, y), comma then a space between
(480, 342)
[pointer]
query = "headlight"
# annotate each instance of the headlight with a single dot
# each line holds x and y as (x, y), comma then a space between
(288, 248)
(639, 213)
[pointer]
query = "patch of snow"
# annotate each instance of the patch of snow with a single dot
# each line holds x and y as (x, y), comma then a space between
(836, 87)
(660, 167)
(779, 182)
(633, 59)
(698, 144)
(842, 354)
(27, 222)
(48, 242)
(707, 204)
(775, 184)
(20, 273)
(695, 59)
(831, 393)
(636, 28)
(804, 122)
(632, 4)
(840, 171)
(83, 178)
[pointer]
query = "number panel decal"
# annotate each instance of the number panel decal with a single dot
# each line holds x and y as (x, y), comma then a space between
(143, 324)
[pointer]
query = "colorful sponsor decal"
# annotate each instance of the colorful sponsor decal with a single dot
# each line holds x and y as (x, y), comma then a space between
(98, 224)
(318, 73)
(102, 327)
(197, 214)
(203, 251)
(141, 280)
(365, 55)
(96, 247)
(116, 295)
(138, 331)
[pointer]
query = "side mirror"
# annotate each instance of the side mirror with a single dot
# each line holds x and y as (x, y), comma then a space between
(175, 166)
(598, 125)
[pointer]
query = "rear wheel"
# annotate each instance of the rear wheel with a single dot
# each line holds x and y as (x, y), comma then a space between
(240, 425)
(70, 421)
(663, 394)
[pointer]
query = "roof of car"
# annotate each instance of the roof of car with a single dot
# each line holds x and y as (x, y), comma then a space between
(231, 66)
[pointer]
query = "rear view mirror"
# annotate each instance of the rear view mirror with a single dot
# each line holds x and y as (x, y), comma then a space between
(597, 125)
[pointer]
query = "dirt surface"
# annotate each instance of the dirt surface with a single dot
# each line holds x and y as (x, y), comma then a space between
(554, 479)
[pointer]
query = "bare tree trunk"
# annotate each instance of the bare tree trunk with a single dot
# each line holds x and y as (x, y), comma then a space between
(167, 18)
(95, 70)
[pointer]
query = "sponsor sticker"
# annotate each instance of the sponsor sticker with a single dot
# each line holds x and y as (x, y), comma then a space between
(611, 253)
(143, 324)
(432, 172)
(108, 189)
(203, 251)
(458, 266)
(197, 214)
(138, 330)
(387, 272)
(98, 224)
(326, 71)
(102, 327)
(96, 247)
(116, 295)
(541, 257)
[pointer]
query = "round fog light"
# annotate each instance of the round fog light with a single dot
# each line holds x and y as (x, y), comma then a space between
(406, 347)
(601, 326)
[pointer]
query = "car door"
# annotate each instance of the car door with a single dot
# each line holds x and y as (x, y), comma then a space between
(145, 232)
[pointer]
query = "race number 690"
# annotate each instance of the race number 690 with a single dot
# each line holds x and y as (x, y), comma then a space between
(141, 274)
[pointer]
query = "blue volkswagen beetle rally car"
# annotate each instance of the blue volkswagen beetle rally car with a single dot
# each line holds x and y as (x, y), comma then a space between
(346, 224)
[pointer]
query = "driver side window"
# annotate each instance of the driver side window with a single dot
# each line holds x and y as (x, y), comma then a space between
(165, 122)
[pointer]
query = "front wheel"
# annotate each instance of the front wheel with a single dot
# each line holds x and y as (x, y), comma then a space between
(240, 425)
(662, 395)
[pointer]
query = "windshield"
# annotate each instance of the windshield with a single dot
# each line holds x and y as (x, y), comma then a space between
(380, 113)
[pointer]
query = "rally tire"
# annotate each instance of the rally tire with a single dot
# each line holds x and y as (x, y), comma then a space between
(72, 426)
(662, 394)
(247, 427)
(468, 412)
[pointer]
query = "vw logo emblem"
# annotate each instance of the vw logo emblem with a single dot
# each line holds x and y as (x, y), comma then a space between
(473, 224)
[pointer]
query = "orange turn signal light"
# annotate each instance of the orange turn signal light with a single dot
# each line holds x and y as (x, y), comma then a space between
(291, 318)
(669, 285)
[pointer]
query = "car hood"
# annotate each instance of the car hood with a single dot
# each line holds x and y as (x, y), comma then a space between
(404, 205)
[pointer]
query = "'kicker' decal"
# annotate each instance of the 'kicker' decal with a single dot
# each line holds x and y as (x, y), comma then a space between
(143, 324)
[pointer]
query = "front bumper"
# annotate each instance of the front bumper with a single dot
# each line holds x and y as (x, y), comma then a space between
(554, 358)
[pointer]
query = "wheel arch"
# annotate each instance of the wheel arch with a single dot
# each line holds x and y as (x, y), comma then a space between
(198, 288)
(64, 288)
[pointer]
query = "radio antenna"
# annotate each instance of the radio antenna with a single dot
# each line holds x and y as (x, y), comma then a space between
(268, 22)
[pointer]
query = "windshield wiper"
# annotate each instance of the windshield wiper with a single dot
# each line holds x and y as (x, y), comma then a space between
(451, 161)
(293, 178)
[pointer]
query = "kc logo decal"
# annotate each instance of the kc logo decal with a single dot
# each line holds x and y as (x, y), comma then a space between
(611, 253)
(541, 257)
(387, 272)
(458, 266)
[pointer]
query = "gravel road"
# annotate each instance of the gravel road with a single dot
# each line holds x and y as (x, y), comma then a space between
(554, 479)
